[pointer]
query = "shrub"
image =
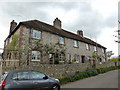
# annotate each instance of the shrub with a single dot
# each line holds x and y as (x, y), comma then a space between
(88, 73)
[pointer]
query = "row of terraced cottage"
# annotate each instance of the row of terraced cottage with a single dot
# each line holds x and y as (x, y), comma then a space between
(38, 42)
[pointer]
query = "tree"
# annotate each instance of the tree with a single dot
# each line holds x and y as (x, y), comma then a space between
(45, 49)
(109, 54)
(95, 57)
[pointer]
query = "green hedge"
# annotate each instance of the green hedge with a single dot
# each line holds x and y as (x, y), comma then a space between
(78, 76)
(88, 73)
(103, 70)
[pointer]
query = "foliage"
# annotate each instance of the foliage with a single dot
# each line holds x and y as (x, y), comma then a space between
(114, 59)
(95, 56)
(109, 54)
(103, 70)
(47, 49)
(13, 46)
(88, 73)
(78, 75)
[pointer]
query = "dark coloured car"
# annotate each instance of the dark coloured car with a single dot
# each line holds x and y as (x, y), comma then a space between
(28, 80)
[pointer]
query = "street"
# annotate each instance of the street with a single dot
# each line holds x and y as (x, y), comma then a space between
(106, 80)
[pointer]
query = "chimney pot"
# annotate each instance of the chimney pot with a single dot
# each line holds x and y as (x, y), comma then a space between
(80, 33)
(13, 24)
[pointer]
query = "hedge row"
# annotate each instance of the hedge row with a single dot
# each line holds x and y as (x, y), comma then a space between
(88, 73)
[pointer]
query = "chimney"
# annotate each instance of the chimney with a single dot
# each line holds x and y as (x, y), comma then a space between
(57, 23)
(13, 24)
(80, 33)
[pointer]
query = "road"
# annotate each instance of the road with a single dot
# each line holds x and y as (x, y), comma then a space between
(106, 80)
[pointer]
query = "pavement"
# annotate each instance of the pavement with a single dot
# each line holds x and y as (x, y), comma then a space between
(106, 80)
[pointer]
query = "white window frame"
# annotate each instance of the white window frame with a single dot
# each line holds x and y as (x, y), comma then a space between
(103, 50)
(75, 43)
(87, 46)
(36, 34)
(76, 57)
(36, 57)
(95, 48)
(62, 40)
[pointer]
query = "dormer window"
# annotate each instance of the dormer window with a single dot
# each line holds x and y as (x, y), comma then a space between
(36, 34)
(62, 40)
(75, 43)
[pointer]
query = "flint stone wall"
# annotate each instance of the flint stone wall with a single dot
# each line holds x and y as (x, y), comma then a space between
(58, 71)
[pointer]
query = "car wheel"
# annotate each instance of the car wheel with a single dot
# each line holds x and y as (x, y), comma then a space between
(55, 87)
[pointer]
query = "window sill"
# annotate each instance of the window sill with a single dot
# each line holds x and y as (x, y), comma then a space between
(36, 38)
(35, 60)
(75, 47)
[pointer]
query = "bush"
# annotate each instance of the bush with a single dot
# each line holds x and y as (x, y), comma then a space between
(88, 73)
(106, 69)
(78, 76)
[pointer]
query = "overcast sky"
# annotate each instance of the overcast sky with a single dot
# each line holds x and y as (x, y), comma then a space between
(97, 18)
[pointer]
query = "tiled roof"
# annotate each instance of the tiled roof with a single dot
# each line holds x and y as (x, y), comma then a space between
(38, 25)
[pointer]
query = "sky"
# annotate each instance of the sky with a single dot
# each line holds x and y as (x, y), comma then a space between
(97, 18)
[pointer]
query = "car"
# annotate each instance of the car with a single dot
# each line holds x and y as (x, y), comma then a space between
(28, 79)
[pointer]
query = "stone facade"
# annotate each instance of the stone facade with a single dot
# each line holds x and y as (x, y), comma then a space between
(57, 71)
(26, 41)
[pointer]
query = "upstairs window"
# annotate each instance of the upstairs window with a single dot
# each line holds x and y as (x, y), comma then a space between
(87, 46)
(36, 34)
(75, 43)
(36, 56)
(103, 50)
(95, 48)
(61, 40)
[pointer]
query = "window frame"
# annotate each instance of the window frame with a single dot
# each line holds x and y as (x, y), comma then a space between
(36, 56)
(62, 40)
(76, 44)
(76, 58)
(95, 48)
(103, 51)
(38, 33)
(87, 46)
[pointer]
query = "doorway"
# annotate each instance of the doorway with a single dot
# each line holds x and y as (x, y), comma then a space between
(83, 59)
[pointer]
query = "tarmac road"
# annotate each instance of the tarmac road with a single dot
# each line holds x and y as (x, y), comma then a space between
(106, 80)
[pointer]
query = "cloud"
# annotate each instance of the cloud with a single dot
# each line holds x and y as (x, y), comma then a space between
(93, 17)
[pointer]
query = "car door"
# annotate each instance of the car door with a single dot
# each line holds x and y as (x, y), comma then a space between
(21, 80)
(40, 80)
